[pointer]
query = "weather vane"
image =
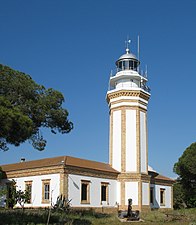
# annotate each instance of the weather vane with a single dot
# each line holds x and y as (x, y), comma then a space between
(127, 44)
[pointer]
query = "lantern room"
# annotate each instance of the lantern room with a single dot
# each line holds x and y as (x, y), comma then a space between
(127, 61)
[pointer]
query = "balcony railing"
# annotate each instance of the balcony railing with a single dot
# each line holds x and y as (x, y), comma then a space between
(141, 85)
(141, 72)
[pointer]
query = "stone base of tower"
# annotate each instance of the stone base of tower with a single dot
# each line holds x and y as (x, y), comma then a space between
(134, 186)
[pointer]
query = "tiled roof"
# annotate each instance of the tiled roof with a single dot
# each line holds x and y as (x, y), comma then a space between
(83, 163)
(69, 162)
(57, 161)
(158, 177)
(161, 177)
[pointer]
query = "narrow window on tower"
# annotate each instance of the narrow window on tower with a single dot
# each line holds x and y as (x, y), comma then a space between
(28, 188)
(46, 191)
(162, 196)
(104, 193)
(85, 192)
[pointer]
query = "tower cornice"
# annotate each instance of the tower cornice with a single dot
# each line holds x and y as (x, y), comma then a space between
(134, 93)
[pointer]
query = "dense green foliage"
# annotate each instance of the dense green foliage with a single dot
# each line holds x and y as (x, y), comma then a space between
(62, 204)
(179, 196)
(185, 188)
(14, 195)
(25, 107)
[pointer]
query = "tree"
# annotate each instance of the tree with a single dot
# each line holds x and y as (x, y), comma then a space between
(179, 195)
(25, 107)
(14, 196)
(186, 169)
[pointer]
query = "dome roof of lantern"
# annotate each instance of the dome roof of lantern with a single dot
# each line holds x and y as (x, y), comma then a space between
(127, 56)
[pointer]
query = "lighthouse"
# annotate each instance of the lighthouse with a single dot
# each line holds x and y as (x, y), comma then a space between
(127, 99)
(94, 185)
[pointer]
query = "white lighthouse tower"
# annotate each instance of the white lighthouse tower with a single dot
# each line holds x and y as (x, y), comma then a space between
(128, 147)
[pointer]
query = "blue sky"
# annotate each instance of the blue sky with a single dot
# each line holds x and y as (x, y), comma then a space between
(72, 46)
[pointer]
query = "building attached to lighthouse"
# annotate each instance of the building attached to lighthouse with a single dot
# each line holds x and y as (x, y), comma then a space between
(104, 187)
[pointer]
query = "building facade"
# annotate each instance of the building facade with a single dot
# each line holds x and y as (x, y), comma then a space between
(104, 187)
(85, 183)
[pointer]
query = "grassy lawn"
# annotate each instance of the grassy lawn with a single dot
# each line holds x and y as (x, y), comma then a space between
(39, 217)
(177, 217)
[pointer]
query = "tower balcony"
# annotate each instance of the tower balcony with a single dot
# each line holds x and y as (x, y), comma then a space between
(128, 79)
(131, 87)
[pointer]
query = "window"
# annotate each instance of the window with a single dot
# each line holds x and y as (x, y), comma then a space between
(28, 188)
(120, 65)
(126, 65)
(45, 191)
(162, 196)
(85, 192)
(123, 65)
(152, 195)
(135, 66)
(104, 192)
(131, 64)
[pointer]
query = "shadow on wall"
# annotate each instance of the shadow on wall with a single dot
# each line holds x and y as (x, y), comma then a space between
(75, 185)
(155, 204)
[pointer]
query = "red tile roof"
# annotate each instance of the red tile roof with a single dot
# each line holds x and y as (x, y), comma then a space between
(57, 161)
(161, 177)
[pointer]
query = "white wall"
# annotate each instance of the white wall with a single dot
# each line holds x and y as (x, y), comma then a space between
(143, 142)
(145, 193)
(37, 188)
(131, 152)
(118, 192)
(74, 187)
(116, 159)
(131, 191)
(157, 196)
(127, 83)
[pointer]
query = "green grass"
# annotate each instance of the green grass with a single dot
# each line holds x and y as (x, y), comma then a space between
(173, 217)
(39, 217)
